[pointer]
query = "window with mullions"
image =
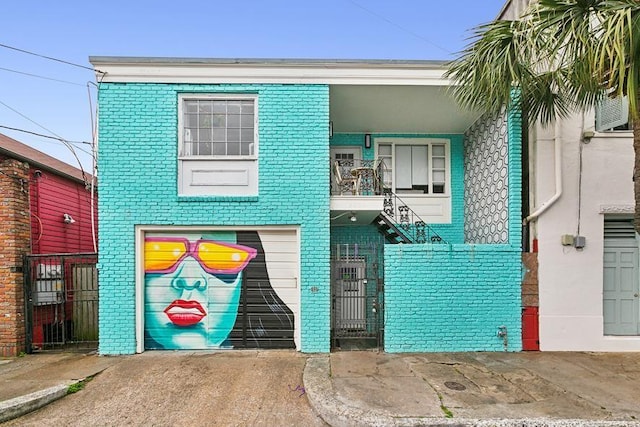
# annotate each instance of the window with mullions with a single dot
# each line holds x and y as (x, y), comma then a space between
(217, 145)
(419, 167)
(218, 127)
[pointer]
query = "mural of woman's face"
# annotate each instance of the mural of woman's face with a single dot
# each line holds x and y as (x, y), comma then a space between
(192, 288)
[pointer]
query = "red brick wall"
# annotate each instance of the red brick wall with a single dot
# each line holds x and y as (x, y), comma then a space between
(14, 243)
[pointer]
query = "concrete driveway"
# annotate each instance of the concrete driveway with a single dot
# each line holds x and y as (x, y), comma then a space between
(188, 389)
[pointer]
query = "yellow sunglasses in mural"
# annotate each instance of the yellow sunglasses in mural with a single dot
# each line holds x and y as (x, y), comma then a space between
(163, 255)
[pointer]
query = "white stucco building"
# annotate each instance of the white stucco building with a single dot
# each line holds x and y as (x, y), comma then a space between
(581, 204)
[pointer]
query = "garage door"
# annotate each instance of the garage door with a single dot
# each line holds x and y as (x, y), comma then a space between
(221, 289)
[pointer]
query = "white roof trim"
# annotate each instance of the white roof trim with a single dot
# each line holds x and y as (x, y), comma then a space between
(149, 70)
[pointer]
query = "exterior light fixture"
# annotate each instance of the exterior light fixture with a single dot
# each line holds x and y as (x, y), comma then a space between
(367, 140)
(68, 219)
(353, 218)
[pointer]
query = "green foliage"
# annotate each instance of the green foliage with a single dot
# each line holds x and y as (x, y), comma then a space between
(560, 55)
(76, 387)
(447, 412)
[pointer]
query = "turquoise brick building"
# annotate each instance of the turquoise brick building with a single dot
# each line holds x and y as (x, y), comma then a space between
(303, 204)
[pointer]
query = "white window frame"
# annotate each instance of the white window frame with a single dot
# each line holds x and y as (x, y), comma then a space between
(429, 142)
(218, 175)
(216, 97)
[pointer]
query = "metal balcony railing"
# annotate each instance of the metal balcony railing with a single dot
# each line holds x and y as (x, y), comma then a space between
(399, 219)
(357, 177)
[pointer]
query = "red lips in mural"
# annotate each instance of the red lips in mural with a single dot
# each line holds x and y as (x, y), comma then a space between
(185, 313)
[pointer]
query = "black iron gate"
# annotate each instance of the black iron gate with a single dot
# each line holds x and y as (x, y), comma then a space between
(61, 296)
(357, 292)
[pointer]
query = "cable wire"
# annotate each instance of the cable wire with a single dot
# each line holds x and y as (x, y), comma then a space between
(44, 136)
(64, 141)
(388, 21)
(40, 77)
(51, 58)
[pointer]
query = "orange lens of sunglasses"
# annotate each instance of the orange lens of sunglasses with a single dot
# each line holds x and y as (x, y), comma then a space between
(223, 258)
(162, 255)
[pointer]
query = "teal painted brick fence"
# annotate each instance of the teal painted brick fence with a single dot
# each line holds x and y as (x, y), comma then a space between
(451, 298)
(138, 186)
(454, 297)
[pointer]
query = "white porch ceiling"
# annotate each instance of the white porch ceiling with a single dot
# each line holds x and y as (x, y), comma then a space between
(396, 109)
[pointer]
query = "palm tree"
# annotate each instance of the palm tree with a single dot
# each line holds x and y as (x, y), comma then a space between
(561, 56)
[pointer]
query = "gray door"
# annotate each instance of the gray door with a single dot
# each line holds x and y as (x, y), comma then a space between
(620, 297)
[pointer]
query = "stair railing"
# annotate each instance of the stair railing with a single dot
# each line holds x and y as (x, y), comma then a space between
(407, 221)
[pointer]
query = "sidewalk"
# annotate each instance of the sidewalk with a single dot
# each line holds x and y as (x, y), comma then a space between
(360, 388)
(30, 382)
(490, 389)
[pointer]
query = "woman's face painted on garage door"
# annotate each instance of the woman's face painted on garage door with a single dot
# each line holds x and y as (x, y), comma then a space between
(192, 288)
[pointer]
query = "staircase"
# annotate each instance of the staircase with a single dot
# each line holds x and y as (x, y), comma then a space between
(399, 224)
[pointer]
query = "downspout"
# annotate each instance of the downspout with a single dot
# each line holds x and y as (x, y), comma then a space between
(557, 141)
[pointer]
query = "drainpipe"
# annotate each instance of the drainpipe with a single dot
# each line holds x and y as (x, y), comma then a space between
(557, 141)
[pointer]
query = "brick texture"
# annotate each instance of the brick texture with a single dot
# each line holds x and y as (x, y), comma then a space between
(138, 186)
(14, 244)
(451, 298)
(454, 297)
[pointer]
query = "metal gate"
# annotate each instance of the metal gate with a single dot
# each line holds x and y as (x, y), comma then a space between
(61, 296)
(357, 289)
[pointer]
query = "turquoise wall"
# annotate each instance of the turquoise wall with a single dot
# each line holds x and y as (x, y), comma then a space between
(451, 298)
(453, 232)
(454, 297)
(138, 186)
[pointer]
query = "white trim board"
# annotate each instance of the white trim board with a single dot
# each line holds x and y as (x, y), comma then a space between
(171, 70)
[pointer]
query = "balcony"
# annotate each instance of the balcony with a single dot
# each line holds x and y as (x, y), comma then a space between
(357, 190)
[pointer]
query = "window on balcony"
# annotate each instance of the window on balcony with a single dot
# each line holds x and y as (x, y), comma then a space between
(416, 166)
(217, 147)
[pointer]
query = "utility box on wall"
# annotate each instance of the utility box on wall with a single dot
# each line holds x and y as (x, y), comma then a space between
(530, 333)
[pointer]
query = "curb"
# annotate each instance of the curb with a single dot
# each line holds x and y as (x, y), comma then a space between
(19, 406)
(321, 395)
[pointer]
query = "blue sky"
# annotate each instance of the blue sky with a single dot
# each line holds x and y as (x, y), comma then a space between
(73, 30)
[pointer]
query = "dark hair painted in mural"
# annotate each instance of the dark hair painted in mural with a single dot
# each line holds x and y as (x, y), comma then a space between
(264, 321)
(212, 290)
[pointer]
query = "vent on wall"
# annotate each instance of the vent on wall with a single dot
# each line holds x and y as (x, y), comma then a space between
(621, 228)
(612, 113)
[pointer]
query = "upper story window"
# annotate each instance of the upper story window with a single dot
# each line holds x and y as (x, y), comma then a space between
(613, 114)
(416, 165)
(218, 127)
(218, 144)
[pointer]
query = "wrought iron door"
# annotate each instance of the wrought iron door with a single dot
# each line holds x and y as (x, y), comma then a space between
(356, 294)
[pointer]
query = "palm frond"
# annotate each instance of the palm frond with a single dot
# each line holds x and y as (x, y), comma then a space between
(561, 55)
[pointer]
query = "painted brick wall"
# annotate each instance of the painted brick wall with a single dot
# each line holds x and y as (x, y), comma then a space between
(138, 170)
(514, 128)
(454, 297)
(487, 180)
(493, 179)
(14, 243)
(451, 298)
